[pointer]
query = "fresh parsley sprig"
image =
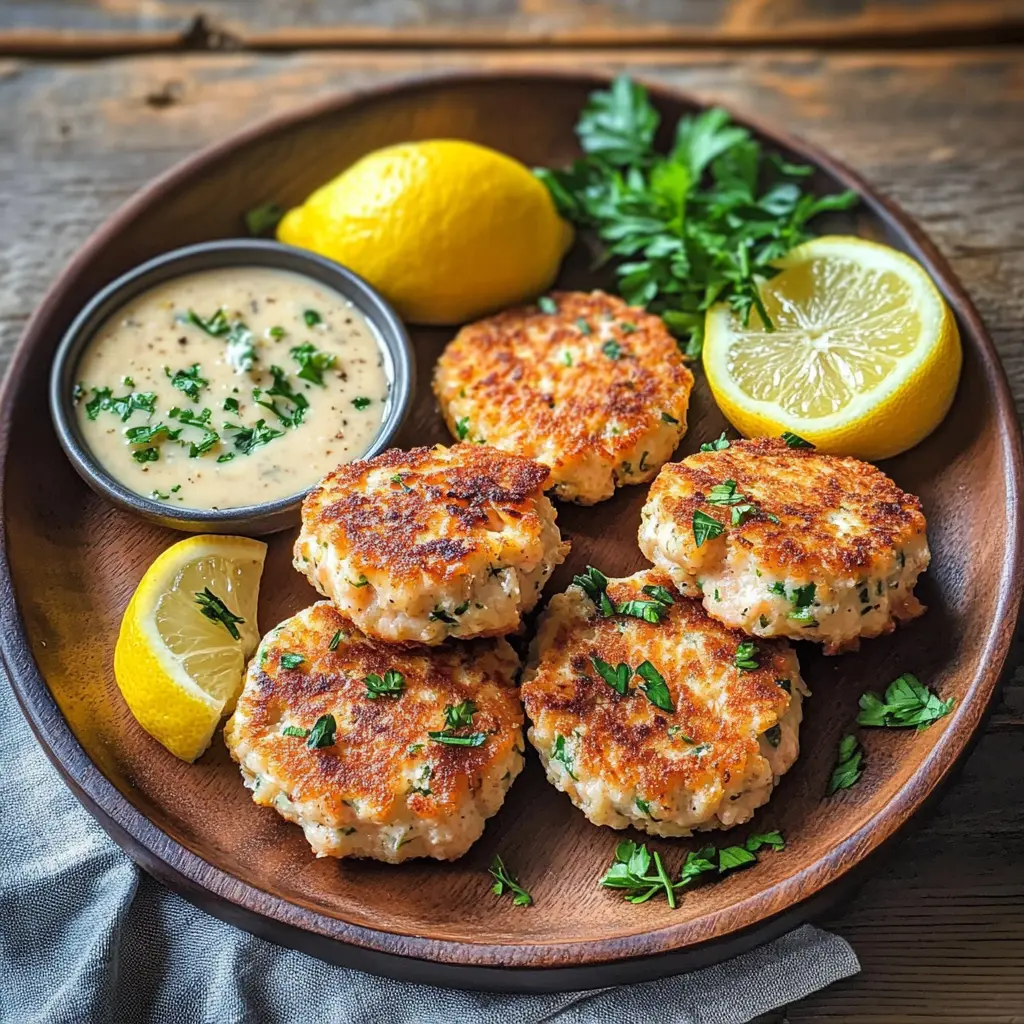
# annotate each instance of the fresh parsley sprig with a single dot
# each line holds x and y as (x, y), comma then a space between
(631, 869)
(505, 882)
(699, 225)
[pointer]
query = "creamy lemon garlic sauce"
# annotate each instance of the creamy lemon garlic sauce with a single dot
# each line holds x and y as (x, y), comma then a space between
(230, 387)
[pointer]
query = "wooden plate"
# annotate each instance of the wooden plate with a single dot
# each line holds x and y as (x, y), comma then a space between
(71, 562)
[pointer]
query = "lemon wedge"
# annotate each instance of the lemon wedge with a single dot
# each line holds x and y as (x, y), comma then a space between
(186, 636)
(864, 358)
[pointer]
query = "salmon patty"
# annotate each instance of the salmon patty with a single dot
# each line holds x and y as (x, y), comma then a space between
(782, 541)
(648, 712)
(377, 751)
(592, 388)
(433, 543)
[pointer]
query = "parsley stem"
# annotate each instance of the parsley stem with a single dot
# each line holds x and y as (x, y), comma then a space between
(670, 893)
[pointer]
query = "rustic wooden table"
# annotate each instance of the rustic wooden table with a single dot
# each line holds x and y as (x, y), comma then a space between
(924, 97)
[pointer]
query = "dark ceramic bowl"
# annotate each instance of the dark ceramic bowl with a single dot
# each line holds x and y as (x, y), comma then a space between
(399, 365)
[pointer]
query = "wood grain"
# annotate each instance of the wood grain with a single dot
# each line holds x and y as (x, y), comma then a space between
(110, 26)
(940, 132)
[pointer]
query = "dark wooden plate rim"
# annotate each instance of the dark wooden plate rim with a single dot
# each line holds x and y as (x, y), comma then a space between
(179, 867)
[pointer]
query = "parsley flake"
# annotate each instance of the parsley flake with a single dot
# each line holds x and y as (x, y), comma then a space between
(655, 687)
(848, 767)
(705, 527)
(312, 362)
(795, 440)
(217, 611)
(391, 684)
(718, 445)
(322, 733)
(747, 656)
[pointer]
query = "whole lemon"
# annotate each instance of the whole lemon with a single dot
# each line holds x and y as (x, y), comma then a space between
(446, 230)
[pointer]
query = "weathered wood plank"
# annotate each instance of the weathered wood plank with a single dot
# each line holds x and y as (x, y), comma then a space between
(48, 26)
(939, 927)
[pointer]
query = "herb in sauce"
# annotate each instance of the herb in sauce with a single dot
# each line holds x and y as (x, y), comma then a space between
(312, 318)
(282, 389)
(104, 400)
(312, 362)
(146, 455)
(147, 435)
(361, 402)
(202, 422)
(247, 439)
(241, 353)
(188, 381)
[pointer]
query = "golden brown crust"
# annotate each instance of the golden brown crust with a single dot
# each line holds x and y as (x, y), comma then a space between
(627, 741)
(536, 383)
(422, 514)
(810, 495)
(378, 741)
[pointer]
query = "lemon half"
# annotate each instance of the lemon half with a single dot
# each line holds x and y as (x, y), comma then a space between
(864, 359)
(181, 653)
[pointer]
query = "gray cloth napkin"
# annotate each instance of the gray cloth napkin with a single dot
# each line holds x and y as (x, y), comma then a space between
(87, 938)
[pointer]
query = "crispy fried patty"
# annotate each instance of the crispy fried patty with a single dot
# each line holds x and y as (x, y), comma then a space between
(808, 546)
(383, 788)
(432, 543)
(596, 390)
(624, 760)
